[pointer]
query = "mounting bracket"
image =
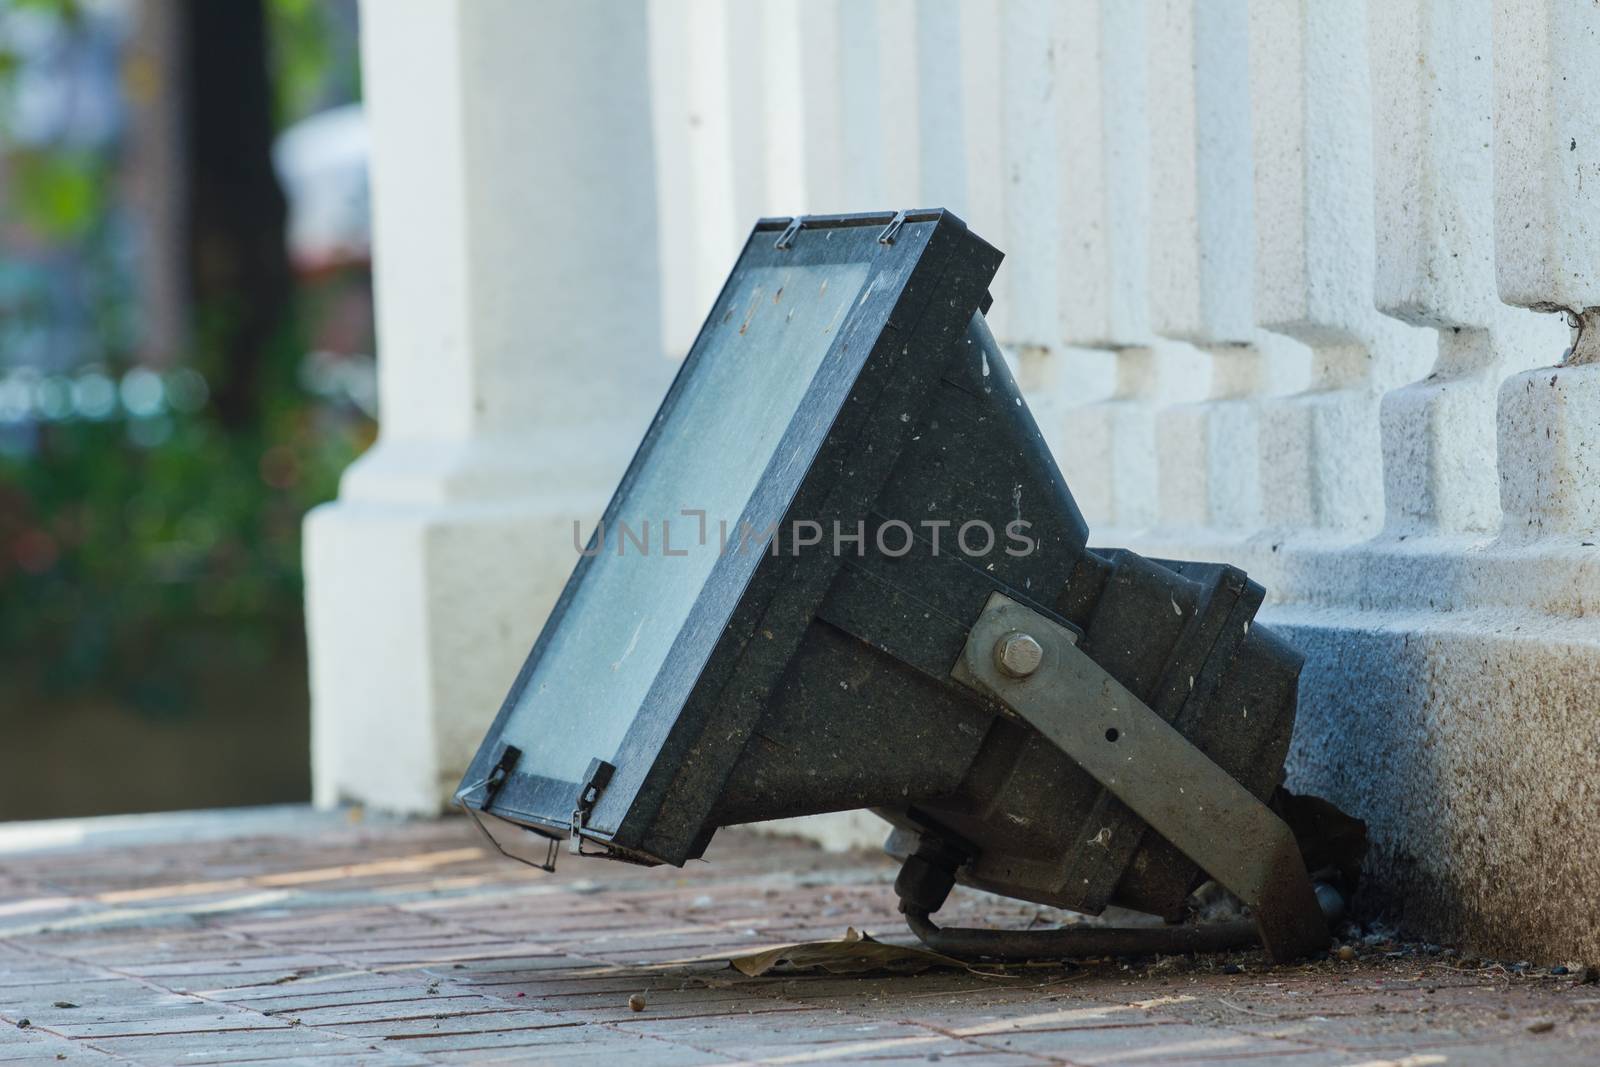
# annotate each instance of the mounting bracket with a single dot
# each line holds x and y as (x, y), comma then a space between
(1148, 765)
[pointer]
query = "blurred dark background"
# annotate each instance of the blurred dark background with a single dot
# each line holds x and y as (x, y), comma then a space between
(185, 367)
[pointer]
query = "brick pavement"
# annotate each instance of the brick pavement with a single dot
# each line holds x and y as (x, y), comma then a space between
(305, 939)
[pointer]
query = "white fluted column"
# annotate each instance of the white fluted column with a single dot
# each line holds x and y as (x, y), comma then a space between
(730, 104)
(983, 140)
(937, 104)
(1315, 245)
(780, 66)
(1201, 245)
(707, 175)
(861, 112)
(1103, 146)
(519, 359)
(1031, 201)
(1432, 91)
(1547, 234)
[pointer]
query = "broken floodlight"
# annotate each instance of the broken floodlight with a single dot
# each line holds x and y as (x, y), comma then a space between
(843, 571)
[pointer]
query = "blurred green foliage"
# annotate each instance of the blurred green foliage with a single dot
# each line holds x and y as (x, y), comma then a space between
(133, 571)
(142, 553)
(60, 193)
(303, 56)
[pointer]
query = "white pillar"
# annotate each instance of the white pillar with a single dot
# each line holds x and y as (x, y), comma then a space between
(515, 231)
(937, 104)
(780, 66)
(898, 105)
(821, 130)
(701, 193)
(1103, 141)
(1315, 245)
(1432, 92)
(1200, 212)
(730, 106)
(1547, 92)
(1547, 236)
(1201, 249)
(903, 103)
(1103, 146)
(983, 141)
(1028, 132)
(860, 130)
(876, 78)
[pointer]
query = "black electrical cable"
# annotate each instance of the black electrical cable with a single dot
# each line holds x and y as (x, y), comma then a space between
(1082, 941)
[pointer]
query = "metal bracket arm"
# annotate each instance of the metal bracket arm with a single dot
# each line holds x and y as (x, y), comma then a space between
(1150, 767)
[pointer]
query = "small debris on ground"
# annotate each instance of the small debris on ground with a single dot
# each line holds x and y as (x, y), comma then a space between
(1346, 953)
(65, 1004)
(637, 1002)
(1543, 1026)
(855, 953)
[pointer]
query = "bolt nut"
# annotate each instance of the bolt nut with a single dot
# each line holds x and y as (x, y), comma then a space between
(1018, 655)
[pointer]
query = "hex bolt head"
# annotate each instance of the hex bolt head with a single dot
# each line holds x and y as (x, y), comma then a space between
(1017, 655)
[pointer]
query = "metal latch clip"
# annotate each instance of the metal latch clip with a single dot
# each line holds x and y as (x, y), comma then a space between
(891, 231)
(785, 239)
(490, 785)
(595, 780)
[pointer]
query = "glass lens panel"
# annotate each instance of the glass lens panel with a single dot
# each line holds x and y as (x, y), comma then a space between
(756, 361)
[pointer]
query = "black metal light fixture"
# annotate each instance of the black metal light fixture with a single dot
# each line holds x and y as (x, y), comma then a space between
(843, 571)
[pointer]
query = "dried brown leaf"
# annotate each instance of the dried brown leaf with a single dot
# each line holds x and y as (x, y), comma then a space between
(855, 953)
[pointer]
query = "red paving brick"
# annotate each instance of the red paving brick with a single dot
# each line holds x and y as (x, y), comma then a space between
(311, 940)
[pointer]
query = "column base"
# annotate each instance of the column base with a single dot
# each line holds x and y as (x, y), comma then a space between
(419, 614)
(1467, 742)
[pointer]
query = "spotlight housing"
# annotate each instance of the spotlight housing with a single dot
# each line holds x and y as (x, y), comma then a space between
(843, 571)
